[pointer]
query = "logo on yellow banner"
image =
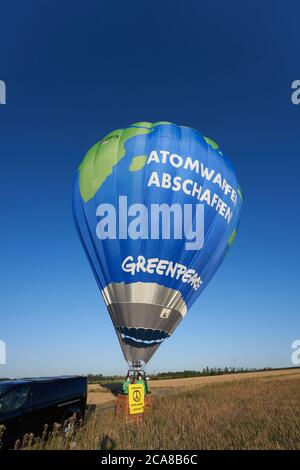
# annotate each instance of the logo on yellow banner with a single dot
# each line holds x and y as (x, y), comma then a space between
(136, 398)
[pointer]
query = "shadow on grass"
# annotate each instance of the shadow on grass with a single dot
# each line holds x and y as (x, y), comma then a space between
(107, 443)
(114, 387)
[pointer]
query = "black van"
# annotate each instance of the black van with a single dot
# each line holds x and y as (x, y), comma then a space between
(26, 405)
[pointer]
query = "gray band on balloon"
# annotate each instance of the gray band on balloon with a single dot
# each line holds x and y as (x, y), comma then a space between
(144, 293)
(144, 305)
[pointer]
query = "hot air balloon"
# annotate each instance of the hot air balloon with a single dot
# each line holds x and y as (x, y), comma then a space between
(156, 207)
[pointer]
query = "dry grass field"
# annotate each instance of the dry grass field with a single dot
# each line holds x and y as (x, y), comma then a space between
(242, 411)
(102, 394)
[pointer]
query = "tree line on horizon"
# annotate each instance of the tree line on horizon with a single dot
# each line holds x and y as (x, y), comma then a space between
(207, 371)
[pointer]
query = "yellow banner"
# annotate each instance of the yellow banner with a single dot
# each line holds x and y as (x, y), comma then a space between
(136, 398)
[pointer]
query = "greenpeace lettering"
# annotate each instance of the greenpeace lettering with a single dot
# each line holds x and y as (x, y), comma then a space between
(162, 268)
(162, 221)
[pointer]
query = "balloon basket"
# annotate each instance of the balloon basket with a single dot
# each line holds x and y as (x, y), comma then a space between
(122, 409)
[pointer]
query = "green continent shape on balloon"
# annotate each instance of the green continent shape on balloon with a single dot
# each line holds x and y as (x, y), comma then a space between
(232, 237)
(138, 163)
(100, 160)
(211, 142)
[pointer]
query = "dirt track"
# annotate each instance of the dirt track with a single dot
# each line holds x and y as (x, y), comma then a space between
(101, 394)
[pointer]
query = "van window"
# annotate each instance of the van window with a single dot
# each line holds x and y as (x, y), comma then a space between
(4, 388)
(14, 399)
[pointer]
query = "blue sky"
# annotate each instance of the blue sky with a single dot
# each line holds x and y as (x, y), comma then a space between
(76, 70)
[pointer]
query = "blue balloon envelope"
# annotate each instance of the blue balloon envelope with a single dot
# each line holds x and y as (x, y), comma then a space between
(157, 207)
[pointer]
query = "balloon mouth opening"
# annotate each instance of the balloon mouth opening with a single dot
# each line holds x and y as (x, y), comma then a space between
(142, 337)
